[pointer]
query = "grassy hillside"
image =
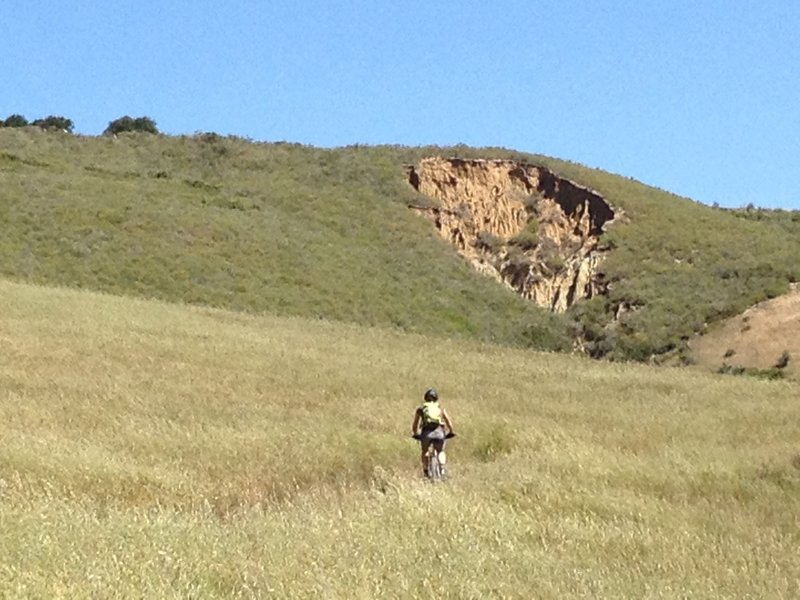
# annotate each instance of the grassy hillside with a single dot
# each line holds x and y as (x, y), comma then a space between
(224, 222)
(292, 230)
(154, 450)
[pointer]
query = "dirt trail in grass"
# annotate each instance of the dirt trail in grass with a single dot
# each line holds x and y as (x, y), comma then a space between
(757, 337)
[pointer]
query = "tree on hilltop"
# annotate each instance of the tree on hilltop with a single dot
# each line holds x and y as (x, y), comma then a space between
(55, 122)
(126, 123)
(15, 121)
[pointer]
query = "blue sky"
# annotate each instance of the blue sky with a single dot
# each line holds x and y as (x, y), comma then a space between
(700, 98)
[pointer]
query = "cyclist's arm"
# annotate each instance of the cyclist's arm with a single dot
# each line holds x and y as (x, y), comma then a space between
(415, 424)
(447, 420)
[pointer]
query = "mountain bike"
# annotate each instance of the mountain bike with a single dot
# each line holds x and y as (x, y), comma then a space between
(435, 471)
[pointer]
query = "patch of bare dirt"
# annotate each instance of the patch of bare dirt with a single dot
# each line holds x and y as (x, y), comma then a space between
(757, 338)
(530, 229)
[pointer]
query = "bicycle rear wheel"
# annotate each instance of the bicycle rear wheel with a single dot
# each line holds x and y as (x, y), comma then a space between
(435, 468)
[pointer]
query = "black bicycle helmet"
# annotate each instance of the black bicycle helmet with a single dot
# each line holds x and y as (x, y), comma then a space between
(431, 395)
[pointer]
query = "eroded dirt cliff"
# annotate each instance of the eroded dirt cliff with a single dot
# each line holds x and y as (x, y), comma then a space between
(522, 224)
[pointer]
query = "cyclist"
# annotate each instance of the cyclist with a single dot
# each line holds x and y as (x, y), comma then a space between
(430, 420)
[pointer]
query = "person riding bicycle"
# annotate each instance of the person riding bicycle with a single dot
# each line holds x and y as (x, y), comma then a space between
(430, 421)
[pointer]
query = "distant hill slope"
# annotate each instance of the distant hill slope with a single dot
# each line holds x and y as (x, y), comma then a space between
(295, 230)
(762, 337)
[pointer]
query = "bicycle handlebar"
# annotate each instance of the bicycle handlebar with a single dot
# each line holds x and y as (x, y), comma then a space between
(447, 436)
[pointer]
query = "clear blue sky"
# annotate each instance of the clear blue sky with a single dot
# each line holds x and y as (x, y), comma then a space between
(701, 98)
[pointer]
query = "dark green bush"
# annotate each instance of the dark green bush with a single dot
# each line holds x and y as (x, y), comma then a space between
(55, 122)
(15, 121)
(126, 123)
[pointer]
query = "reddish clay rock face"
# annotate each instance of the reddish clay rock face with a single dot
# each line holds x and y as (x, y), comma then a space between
(522, 224)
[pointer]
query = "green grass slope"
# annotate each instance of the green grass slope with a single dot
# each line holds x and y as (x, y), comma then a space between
(156, 450)
(280, 228)
(293, 230)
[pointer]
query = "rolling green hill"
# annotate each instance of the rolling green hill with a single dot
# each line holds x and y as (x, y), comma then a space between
(280, 228)
(294, 230)
(164, 451)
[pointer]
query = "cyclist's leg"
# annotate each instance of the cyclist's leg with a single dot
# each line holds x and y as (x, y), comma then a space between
(424, 445)
(438, 446)
(439, 438)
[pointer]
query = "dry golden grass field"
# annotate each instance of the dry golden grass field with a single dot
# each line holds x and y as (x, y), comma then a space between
(152, 450)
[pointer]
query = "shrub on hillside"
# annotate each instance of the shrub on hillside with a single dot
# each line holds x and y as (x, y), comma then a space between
(783, 360)
(488, 241)
(528, 238)
(126, 123)
(15, 121)
(531, 204)
(525, 239)
(55, 122)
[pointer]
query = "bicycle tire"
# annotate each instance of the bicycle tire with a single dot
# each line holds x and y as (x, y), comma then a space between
(435, 468)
